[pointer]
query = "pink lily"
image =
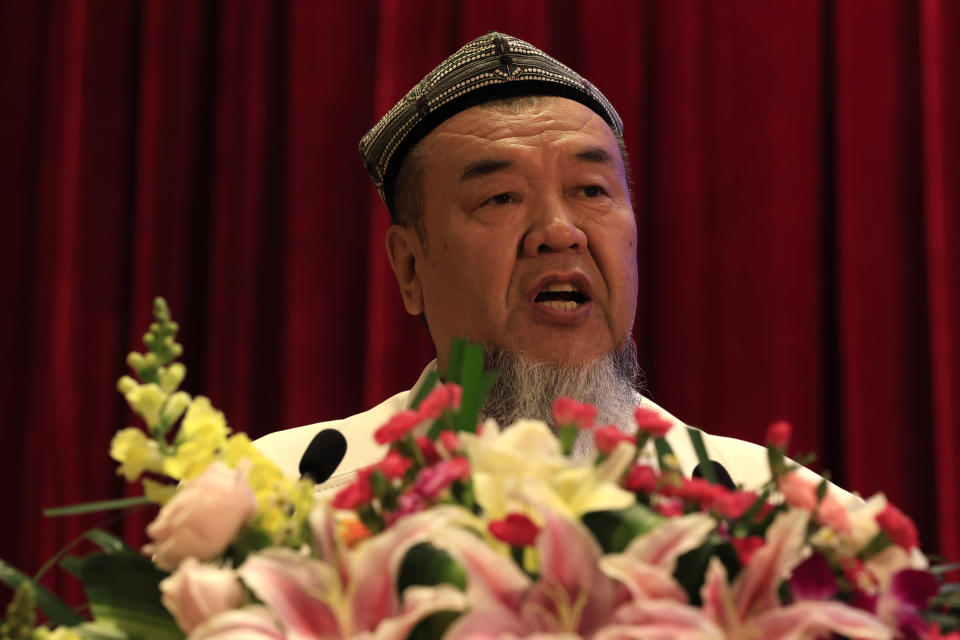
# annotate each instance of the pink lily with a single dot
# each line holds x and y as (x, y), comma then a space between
(350, 594)
(750, 607)
(572, 594)
(249, 623)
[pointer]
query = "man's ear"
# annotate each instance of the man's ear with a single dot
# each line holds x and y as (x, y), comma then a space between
(403, 250)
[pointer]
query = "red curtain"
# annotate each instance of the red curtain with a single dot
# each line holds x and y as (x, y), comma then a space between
(796, 179)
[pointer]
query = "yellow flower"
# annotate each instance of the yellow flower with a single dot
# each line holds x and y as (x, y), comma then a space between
(146, 400)
(175, 406)
(202, 420)
(135, 452)
(172, 376)
(524, 464)
(190, 459)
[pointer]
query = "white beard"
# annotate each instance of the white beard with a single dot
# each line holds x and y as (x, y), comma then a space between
(526, 388)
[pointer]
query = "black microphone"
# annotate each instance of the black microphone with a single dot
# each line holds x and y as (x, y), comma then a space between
(718, 471)
(324, 453)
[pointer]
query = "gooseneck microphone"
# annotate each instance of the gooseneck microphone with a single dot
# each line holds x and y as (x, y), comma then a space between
(323, 455)
(722, 475)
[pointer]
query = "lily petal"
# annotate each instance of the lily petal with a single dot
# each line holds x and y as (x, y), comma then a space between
(303, 593)
(815, 619)
(418, 603)
(250, 623)
(755, 589)
(662, 546)
(660, 620)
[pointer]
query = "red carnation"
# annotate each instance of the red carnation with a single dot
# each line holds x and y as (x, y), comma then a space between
(641, 478)
(446, 396)
(567, 412)
(397, 427)
(651, 422)
(696, 490)
(394, 465)
(607, 438)
(898, 527)
(671, 507)
(778, 435)
(733, 504)
(357, 493)
(516, 529)
(428, 449)
(746, 547)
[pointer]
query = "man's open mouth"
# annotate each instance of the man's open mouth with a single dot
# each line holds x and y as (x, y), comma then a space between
(562, 296)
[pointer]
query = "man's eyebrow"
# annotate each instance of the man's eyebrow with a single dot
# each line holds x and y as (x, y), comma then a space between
(594, 154)
(483, 168)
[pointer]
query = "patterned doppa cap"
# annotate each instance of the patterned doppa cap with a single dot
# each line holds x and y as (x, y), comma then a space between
(492, 66)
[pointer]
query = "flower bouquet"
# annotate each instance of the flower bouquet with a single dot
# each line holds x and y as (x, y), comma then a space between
(467, 530)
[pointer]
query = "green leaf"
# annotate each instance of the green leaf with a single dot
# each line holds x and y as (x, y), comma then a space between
(692, 566)
(615, 529)
(663, 450)
(706, 465)
(55, 609)
(425, 564)
(123, 591)
(107, 541)
(471, 379)
(102, 631)
(455, 361)
(93, 507)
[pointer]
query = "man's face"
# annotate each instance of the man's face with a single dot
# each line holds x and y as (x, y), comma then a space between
(530, 237)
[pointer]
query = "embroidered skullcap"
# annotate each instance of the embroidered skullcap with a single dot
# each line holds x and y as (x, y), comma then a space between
(492, 66)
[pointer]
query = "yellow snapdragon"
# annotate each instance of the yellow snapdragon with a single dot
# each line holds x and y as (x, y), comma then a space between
(147, 401)
(136, 453)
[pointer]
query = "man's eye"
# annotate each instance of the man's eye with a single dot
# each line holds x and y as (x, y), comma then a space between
(500, 198)
(593, 191)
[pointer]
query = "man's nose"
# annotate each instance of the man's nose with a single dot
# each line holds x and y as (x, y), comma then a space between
(553, 227)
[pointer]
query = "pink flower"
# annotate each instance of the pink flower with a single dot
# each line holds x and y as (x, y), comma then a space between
(197, 592)
(202, 518)
(778, 435)
(249, 623)
(567, 412)
(446, 396)
(397, 426)
(798, 491)
(898, 527)
(357, 493)
(432, 480)
(394, 465)
(641, 478)
(450, 441)
(733, 504)
(516, 529)
(607, 438)
(746, 547)
(650, 422)
(834, 515)
(670, 507)
(408, 503)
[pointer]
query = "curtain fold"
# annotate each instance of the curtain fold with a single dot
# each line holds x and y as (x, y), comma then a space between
(795, 179)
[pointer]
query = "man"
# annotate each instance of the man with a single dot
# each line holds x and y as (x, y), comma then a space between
(505, 175)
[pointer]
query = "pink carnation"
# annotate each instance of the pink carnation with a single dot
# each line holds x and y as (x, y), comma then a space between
(670, 507)
(834, 515)
(432, 480)
(696, 490)
(446, 396)
(450, 441)
(394, 465)
(798, 491)
(357, 493)
(607, 438)
(567, 412)
(898, 527)
(651, 422)
(397, 427)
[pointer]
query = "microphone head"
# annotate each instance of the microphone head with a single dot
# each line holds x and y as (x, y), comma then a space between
(323, 455)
